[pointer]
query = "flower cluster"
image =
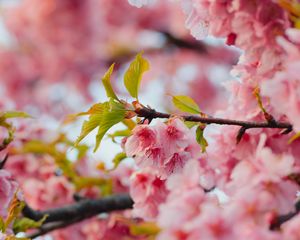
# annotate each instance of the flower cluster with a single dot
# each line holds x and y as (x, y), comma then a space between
(252, 179)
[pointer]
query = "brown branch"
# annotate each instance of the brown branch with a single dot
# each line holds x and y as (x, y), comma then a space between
(3, 161)
(150, 114)
(196, 46)
(81, 210)
(279, 220)
(51, 227)
(172, 42)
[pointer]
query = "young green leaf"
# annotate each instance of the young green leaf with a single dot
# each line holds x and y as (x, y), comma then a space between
(23, 224)
(2, 225)
(200, 138)
(191, 124)
(114, 112)
(9, 127)
(81, 182)
(256, 93)
(14, 210)
(145, 228)
(107, 85)
(134, 73)
(96, 114)
(186, 104)
(118, 159)
(120, 133)
(294, 137)
(16, 114)
(104, 116)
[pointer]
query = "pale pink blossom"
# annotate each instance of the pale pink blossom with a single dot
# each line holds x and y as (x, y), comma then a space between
(290, 229)
(54, 192)
(8, 189)
(164, 147)
(148, 192)
(283, 88)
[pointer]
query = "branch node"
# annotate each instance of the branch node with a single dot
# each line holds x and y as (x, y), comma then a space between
(287, 130)
(240, 134)
(2, 163)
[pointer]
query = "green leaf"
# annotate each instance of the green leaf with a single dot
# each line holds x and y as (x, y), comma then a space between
(191, 124)
(13, 237)
(107, 189)
(14, 210)
(134, 73)
(256, 93)
(113, 113)
(82, 150)
(9, 127)
(15, 114)
(107, 85)
(129, 123)
(200, 138)
(104, 116)
(6, 141)
(118, 159)
(294, 137)
(87, 182)
(23, 224)
(2, 225)
(96, 114)
(145, 228)
(120, 133)
(186, 104)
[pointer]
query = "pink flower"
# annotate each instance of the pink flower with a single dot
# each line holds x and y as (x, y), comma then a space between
(256, 232)
(148, 192)
(283, 89)
(174, 135)
(164, 147)
(254, 25)
(180, 209)
(274, 166)
(54, 192)
(143, 137)
(291, 229)
(192, 176)
(8, 188)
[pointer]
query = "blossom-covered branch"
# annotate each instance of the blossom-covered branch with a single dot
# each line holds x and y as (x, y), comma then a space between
(79, 211)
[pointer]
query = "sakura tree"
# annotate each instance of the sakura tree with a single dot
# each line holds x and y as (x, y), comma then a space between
(150, 119)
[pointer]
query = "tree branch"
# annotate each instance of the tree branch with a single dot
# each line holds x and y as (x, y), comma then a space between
(196, 46)
(279, 220)
(51, 227)
(2, 162)
(150, 114)
(81, 210)
(171, 41)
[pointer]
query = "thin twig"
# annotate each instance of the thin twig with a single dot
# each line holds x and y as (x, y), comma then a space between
(145, 112)
(196, 46)
(2, 162)
(279, 220)
(51, 227)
